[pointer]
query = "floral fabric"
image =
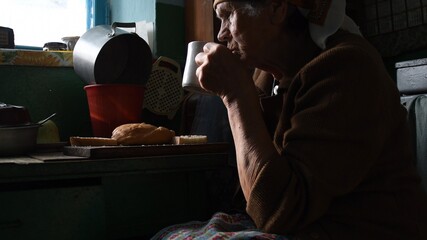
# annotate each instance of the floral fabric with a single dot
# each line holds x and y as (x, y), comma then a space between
(220, 226)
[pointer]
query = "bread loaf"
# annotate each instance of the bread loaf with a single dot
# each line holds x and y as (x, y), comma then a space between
(92, 141)
(141, 134)
(191, 139)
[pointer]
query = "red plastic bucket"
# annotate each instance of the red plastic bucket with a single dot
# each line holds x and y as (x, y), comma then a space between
(111, 105)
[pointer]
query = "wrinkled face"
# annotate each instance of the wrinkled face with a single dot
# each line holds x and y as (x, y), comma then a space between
(244, 32)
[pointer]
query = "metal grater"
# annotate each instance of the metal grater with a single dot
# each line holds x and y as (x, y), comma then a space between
(164, 92)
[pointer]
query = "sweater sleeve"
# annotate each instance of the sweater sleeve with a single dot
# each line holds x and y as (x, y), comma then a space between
(336, 117)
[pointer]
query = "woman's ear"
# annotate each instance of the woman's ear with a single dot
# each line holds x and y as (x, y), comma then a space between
(278, 10)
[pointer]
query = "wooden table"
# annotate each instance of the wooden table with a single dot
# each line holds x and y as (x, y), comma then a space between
(49, 195)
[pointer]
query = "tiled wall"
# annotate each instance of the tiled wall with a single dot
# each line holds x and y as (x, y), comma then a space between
(396, 26)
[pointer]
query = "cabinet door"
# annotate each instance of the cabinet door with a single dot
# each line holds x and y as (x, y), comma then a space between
(52, 213)
(137, 206)
(199, 20)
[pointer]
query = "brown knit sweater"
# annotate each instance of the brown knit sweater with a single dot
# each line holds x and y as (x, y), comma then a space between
(346, 170)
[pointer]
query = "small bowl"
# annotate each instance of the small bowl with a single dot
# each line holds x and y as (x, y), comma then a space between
(55, 46)
(18, 140)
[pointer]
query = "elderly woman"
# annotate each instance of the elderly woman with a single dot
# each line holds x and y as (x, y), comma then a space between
(327, 155)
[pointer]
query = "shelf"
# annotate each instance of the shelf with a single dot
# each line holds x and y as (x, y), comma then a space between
(38, 58)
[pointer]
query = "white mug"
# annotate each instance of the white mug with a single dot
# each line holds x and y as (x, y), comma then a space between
(190, 82)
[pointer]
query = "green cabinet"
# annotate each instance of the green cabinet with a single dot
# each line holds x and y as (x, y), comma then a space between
(52, 212)
(113, 199)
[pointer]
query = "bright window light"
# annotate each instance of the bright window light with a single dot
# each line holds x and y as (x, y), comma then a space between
(36, 22)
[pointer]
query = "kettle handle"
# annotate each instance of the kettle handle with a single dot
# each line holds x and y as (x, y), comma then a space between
(120, 24)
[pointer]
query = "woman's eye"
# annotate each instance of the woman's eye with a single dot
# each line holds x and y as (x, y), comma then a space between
(228, 15)
(225, 18)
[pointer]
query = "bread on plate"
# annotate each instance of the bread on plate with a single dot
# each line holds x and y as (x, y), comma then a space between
(141, 134)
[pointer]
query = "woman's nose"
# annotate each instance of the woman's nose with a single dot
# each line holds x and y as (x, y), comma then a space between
(223, 34)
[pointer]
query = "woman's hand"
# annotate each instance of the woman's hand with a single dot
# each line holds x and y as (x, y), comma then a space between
(222, 72)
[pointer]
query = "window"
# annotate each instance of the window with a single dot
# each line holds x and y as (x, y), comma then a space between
(36, 22)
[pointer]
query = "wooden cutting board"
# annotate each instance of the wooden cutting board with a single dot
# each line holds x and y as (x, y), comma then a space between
(97, 152)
